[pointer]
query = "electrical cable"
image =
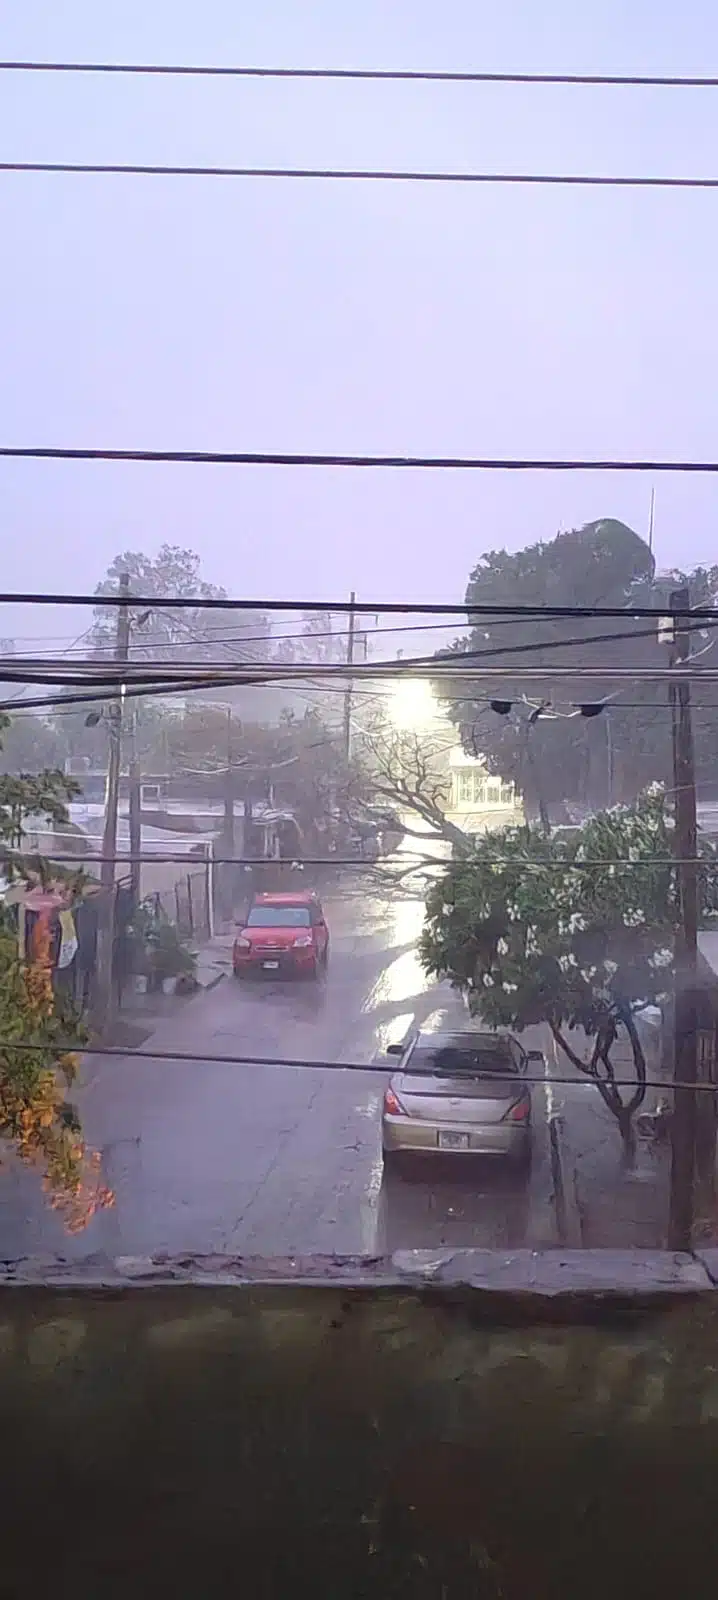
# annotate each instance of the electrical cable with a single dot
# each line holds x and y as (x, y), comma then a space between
(383, 864)
(502, 675)
(357, 175)
(465, 608)
(370, 74)
(442, 661)
(336, 1066)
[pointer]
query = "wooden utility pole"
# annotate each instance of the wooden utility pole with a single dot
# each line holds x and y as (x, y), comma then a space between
(685, 1057)
(135, 815)
(228, 825)
(348, 690)
(106, 911)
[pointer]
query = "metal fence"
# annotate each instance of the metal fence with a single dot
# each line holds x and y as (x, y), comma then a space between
(189, 904)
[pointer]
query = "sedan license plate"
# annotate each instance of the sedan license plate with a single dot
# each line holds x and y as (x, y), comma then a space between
(270, 966)
(453, 1141)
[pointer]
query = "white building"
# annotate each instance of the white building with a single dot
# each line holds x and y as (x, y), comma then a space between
(478, 801)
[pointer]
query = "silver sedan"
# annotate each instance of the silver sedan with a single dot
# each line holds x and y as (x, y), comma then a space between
(459, 1094)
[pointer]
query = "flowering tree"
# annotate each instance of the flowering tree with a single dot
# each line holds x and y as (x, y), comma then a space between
(36, 1069)
(35, 1072)
(574, 933)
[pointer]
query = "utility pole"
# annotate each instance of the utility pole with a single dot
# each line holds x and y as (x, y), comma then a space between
(135, 813)
(228, 825)
(106, 910)
(229, 871)
(348, 690)
(610, 764)
(685, 1057)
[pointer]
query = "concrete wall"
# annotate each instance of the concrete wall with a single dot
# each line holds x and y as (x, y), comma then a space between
(478, 1425)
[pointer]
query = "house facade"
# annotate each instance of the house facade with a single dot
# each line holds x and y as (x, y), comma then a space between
(477, 800)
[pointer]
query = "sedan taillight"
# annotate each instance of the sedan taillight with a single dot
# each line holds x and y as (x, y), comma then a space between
(519, 1112)
(392, 1105)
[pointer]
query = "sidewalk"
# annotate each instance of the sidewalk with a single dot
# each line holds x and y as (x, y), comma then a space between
(140, 1013)
(618, 1207)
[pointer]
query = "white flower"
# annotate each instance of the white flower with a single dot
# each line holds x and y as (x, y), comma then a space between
(487, 981)
(635, 918)
(661, 958)
(588, 974)
(502, 947)
(576, 923)
(567, 961)
(509, 988)
(610, 968)
(446, 911)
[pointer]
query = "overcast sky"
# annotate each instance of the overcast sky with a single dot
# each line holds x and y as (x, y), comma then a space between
(246, 315)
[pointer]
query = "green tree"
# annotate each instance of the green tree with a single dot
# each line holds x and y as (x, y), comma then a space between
(319, 639)
(187, 633)
(300, 760)
(551, 755)
(36, 1066)
(533, 935)
(42, 794)
(30, 744)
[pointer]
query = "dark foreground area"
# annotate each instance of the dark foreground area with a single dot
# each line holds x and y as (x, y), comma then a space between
(530, 1427)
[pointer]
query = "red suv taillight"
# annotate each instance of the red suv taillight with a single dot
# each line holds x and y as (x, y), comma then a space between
(392, 1105)
(519, 1112)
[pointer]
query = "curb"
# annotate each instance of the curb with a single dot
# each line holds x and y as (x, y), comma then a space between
(205, 987)
(566, 1212)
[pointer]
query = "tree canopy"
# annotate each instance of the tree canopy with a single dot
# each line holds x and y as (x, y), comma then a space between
(188, 633)
(576, 933)
(551, 755)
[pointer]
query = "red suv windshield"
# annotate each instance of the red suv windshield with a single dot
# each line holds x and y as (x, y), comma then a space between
(279, 917)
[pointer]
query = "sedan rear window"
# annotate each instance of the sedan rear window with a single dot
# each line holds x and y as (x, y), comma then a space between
(278, 917)
(467, 1061)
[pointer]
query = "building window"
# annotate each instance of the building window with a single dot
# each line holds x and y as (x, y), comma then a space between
(507, 794)
(470, 788)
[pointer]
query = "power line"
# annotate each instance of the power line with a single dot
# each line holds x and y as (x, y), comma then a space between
(269, 458)
(464, 608)
(382, 864)
(369, 74)
(502, 675)
(34, 669)
(391, 1067)
(359, 175)
(27, 707)
(400, 671)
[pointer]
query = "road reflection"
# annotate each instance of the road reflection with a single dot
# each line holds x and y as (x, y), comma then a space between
(438, 1204)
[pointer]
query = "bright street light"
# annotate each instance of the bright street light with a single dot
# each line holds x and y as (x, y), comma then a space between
(412, 706)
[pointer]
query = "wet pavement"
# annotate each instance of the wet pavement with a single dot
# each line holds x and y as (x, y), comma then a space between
(276, 1160)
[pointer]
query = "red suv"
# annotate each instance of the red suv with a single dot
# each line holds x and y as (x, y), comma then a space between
(283, 933)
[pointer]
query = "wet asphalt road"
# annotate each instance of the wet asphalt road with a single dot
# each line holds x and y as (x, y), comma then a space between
(208, 1157)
